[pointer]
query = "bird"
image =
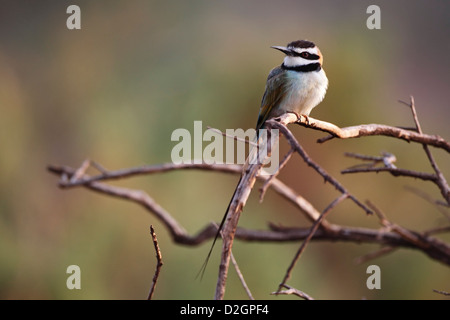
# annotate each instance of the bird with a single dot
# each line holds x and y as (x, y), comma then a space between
(298, 85)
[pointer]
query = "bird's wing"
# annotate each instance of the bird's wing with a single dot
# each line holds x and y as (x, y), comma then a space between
(275, 92)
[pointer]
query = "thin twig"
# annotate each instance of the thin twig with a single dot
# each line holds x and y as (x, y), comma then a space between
(445, 293)
(80, 171)
(267, 183)
(241, 277)
(235, 138)
(129, 172)
(238, 271)
(99, 167)
(396, 172)
(406, 234)
(436, 231)
(375, 254)
(387, 159)
(159, 262)
(441, 182)
(436, 203)
(290, 290)
(308, 239)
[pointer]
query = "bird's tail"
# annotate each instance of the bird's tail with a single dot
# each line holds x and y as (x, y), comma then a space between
(253, 154)
(219, 230)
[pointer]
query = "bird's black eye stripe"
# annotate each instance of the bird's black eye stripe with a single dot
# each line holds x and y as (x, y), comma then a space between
(305, 55)
(303, 68)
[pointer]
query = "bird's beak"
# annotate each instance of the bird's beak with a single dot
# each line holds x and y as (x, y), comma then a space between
(285, 50)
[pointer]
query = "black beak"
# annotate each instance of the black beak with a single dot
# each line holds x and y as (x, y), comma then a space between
(285, 50)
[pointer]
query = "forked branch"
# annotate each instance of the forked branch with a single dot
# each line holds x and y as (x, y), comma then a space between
(391, 235)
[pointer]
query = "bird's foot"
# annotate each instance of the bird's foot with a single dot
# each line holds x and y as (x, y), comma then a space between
(299, 117)
(306, 119)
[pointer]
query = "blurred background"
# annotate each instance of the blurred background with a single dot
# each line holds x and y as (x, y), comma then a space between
(115, 90)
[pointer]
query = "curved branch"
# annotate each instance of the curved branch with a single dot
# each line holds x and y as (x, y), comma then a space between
(364, 130)
(437, 249)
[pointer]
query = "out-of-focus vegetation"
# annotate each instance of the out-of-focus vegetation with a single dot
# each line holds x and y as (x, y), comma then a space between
(116, 89)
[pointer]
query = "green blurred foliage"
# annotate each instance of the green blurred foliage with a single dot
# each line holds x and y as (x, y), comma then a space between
(116, 89)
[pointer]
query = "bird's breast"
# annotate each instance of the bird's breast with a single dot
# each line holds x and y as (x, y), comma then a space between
(303, 91)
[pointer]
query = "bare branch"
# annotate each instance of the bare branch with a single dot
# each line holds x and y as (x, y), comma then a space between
(237, 203)
(437, 250)
(290, 290)
(440, 181)
(241, 277)
(387, 159)
(238, 271)
(80, 171)
(396, 172)
(308, 239)
(267, 183)
(235, 138)
(440, 206)
(445, 293)
(391, 236)
(288, 193)
(375, 254)
(159, 262)
(373, 130)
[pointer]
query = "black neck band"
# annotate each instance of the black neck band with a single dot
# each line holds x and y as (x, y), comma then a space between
(303, 68)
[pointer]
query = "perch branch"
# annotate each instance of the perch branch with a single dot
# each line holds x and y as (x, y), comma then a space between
(372, 130)
(299, 149)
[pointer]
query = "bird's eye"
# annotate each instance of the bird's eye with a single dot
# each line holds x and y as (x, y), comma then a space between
(304, 55)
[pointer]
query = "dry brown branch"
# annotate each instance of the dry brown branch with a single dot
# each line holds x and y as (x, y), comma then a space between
(159, 263)
(290, 290)
(440, 206)
(267, 183)
(445, 293)
(88, 181)
(387, 159)
(413, 237)
(239, 273)
(365, 130)
(396, 172)
(390, 236)
(441, 181)
(437, 249)
(249, 175)
(241, 278)
(375, 254)
(314, 228)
